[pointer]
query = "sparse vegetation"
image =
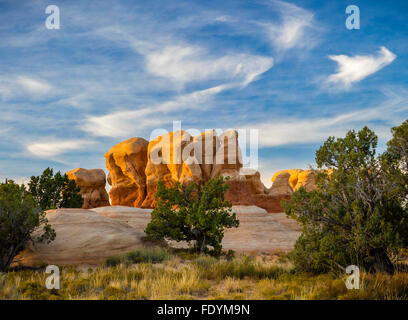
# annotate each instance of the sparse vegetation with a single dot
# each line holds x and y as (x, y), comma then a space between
(203, 277)
(148, 255)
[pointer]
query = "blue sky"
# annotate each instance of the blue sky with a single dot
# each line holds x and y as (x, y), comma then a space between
(119, 69)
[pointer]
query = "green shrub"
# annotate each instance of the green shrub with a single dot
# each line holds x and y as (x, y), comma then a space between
(37, 291)
(113, 261)
(192, 212)
(55, 191)
(357, 214)
(20, 215)
(112, 293)
(147, 255)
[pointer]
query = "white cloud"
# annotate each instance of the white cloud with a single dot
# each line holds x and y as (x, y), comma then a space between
(128, 122)
(12, 86)
(295, 29)
(311, 130)
(33, 85)
(49, 149)
(191, 64)
(223, 18)
(356, 68)
(18, 180)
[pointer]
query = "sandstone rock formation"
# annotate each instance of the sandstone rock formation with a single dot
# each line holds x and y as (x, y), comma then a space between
(280, 190)
(126, 163)
(254, 183)
(90, 236)
(177, 156)
(137, 166)
(300, 178)
(306, 179)
(82, 237)
(92, 183)
(281, 186)
(293, 179)
(165, 163)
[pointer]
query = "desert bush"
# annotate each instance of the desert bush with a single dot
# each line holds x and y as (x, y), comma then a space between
(20, 216)
(152, 255)
(36, 291)
(55, 191)
(192, 212)
(357, 213)
(112, 293)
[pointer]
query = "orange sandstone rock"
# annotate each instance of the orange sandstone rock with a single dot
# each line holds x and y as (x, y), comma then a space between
(165, 163)
(179, 157)
(92, 183)
(306, 179)
(293, 176)
(126, 163)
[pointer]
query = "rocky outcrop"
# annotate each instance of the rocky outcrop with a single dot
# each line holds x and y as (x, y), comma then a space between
(136, 167)
(281, 186)
(126, 163)
(82, 237)
(307, 180)
(270, 199)
(89, 237)
(92, 183)
(177, 156)
(299, 178)
(293, 179)
(165, 163)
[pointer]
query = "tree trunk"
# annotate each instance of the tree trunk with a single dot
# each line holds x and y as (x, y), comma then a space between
(382, 262)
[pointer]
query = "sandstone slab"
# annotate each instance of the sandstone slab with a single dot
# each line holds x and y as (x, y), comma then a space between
(82, 237)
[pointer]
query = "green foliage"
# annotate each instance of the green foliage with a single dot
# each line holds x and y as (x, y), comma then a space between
(397, 147)
(357, 213)
(193, 213)
(237, 268)
(148, 255)
(112, 293)
(55, 191)
(20, 215)
(37, 291)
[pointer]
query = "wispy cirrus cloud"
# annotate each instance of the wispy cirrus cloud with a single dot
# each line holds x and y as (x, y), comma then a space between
(130, 122)
(287, 131)
(106, 77)
(49, 149)
(352, 69)
(20, 85)
(193, 64)
(295, 30)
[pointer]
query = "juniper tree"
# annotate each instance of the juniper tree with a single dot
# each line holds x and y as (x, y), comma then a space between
(191, 212)
(357, 214)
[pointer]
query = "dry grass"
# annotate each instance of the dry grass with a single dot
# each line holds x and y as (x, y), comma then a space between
(167, 276)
